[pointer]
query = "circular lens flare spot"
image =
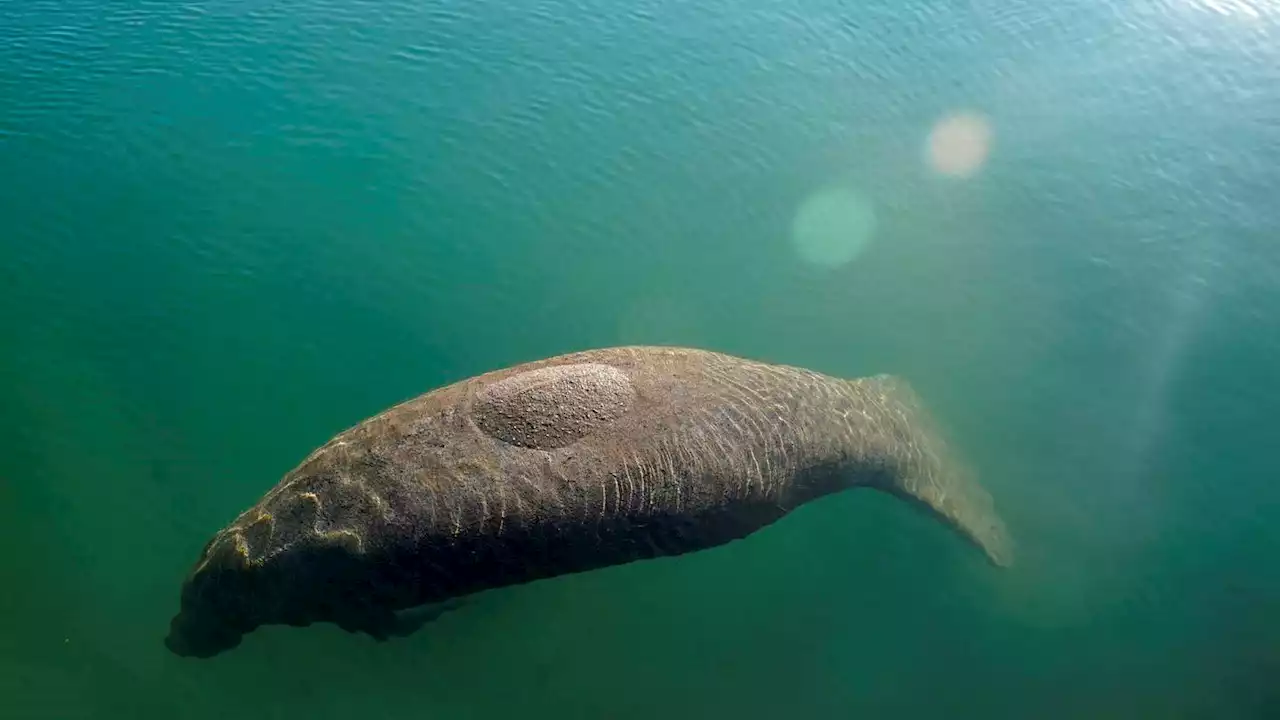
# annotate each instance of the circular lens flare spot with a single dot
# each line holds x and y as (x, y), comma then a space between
(833, 226)
(959, 144)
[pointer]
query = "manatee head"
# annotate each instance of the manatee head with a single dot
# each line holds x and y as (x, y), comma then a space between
(217, 608)
(311, 551)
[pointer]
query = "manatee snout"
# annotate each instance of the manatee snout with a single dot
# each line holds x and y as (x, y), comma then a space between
(214, 615)
(200, 635)
(243, 581)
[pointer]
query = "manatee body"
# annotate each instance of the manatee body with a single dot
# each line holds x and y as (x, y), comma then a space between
(563, 465)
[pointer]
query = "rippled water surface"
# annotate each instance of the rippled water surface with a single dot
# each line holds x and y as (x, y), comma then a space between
(230, 229)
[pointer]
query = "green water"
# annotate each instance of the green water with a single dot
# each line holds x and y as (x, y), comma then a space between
(231, 229)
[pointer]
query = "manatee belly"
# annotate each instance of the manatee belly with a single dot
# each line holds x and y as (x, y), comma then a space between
(448, 567)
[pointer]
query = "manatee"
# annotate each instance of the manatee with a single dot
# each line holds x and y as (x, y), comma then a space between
(562, 465)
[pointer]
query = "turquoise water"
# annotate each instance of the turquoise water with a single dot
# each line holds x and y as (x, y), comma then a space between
(232, 229)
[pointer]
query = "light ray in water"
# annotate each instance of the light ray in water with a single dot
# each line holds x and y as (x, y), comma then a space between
(1189, 296)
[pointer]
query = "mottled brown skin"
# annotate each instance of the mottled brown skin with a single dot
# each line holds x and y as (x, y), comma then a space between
(559, 466)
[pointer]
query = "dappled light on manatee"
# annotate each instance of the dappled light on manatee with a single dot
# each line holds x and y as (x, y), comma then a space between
(958, 144)
(832, 227)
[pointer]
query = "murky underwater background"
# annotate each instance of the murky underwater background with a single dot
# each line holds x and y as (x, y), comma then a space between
(231, 228)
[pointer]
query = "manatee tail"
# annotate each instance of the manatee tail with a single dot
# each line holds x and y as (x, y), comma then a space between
(932, 477)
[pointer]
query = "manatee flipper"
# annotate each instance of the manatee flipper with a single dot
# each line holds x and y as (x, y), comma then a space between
(411, 620)
(939, 482)
(381, 623)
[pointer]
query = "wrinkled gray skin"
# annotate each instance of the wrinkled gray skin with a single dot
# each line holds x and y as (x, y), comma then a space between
(563, 465)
